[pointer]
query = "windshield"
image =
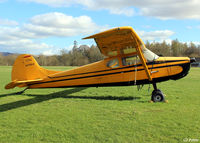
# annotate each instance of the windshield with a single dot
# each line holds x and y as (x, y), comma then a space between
(149, 56)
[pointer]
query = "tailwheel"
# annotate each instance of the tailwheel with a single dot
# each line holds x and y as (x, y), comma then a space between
(21, 92)
(157, 96)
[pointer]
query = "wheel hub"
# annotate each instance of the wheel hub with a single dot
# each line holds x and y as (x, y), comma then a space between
(157, 98)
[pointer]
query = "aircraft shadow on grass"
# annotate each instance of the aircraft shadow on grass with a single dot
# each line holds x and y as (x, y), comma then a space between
(60, 94)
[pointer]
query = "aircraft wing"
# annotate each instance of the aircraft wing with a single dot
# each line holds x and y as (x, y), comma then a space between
(117, 41)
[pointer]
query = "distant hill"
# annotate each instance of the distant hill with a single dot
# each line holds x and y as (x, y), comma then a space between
(6, 53)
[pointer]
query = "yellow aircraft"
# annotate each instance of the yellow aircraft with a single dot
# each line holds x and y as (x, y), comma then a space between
(127, 62)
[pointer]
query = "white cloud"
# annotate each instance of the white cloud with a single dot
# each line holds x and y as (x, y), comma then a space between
(7, 22)
(15, 40)
(26, 38)
(24, 46)
(155, 35)
(15, 33)
(48, 52)
(170, 9)
(52, 3)
(123, 11)
(59, 24)
(113, 6)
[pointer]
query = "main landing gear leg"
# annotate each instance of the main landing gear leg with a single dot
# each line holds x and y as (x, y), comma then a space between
(21, 92)
(157, 95)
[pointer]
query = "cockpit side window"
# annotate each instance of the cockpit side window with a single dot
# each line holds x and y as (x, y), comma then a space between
(131, 60)
(114, 63)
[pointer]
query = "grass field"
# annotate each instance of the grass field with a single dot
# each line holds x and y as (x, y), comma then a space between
(104, 114)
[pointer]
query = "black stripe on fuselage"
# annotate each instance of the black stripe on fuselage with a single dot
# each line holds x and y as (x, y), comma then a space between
(138, 65)
(185, 66)
(102, 74)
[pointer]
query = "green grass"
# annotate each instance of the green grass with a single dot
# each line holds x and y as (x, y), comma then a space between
(104, 114)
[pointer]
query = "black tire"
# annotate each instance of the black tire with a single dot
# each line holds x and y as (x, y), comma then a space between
(156, 91)
(157, 96)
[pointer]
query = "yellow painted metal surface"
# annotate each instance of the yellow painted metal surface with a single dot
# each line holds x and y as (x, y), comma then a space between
(116, 40)
(116, 44)
(26, 70)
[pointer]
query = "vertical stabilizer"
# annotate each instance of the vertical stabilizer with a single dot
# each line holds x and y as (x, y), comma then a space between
(26, 70)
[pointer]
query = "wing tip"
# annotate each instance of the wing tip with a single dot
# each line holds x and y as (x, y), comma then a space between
(107, 31)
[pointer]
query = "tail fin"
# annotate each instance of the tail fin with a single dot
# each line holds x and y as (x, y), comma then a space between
(26, 69)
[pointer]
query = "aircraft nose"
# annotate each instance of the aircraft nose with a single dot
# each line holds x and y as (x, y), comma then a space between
(192, 60)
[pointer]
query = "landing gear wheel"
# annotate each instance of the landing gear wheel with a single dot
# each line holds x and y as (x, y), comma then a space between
(156, 91)
(157, 96)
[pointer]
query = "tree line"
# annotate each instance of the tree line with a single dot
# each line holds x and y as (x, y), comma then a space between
(174, 49)
(84, 54)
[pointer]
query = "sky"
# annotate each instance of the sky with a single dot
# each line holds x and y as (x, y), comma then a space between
(48, 26)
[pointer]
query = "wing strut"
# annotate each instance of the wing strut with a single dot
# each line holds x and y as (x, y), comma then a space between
(139, 51)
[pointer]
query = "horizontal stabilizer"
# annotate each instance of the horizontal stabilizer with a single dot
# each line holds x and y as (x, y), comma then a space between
(20, 83)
